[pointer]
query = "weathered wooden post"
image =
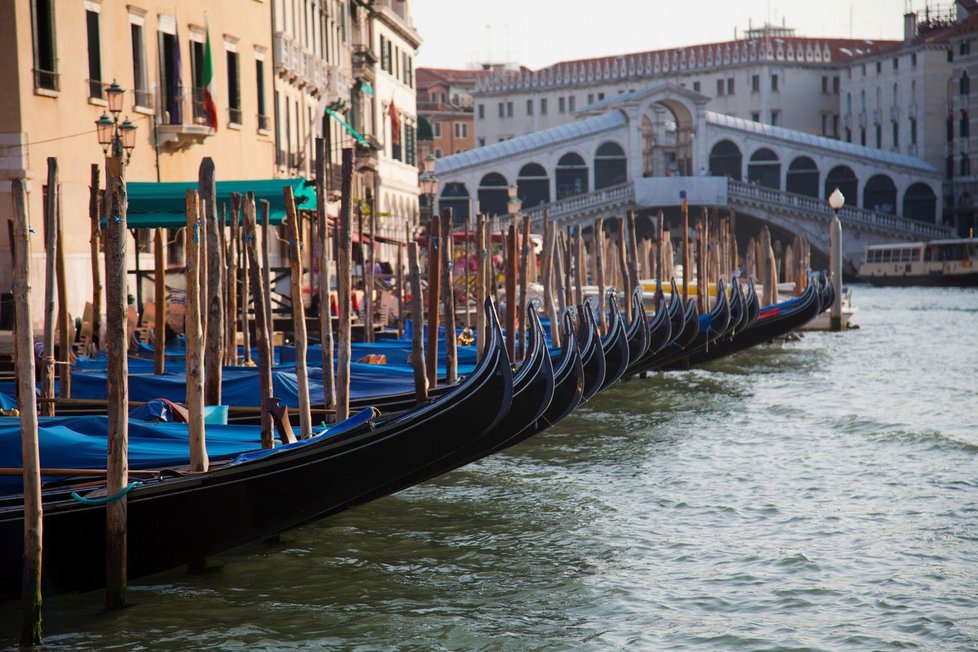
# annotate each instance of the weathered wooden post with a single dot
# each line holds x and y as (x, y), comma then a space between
(368, 269)
(50, 275)
(95, 215)
(448, 301)
(194, 356)
(245, 296)
(231, 285)
(417, 336)
(684, 208)
(298, 313)
(481, 261)
(118, 379)
(511, 301)
(522, 298)
(558, 266)
(30, 595)
(434, 281)
(343, 267)
(633, 260)
(325, 298)
(159, 282)
(66, 328)
(214, 337)
(599, 273)
(257, 277)
(550, 305)
(579, 266)
(266, 273)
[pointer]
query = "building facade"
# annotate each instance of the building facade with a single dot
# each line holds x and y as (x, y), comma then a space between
(445, 101)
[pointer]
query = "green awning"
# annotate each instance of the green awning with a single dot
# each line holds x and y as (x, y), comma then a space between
(346, 125)
(425, 132)
(153, 205)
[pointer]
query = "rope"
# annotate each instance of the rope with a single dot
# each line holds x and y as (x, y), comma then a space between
(107, 499)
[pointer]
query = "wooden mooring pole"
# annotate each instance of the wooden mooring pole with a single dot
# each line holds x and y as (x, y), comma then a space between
(298, 313)
(448, 303)
(214, 328)
(325, 301)
(95, 217)
(195, 344)
(343, 269)
(159, 330)
(30, 632)
(257, 278)
(66, 328)
(417, 314)
(434, 282)
(50, 274)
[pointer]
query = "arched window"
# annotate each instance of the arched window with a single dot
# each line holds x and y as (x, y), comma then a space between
(571, 176)
(726, 160)
(880, 194)
(765, 169)
(964, 126)
(455, 196)
(802, 177)
(920, 203)
(965, 83)
(848, 102)
(843, 178)
(534, 185)
(493, 194)
(862, 100)
(609, 166)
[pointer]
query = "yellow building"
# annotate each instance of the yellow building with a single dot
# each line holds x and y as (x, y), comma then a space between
(60, 56)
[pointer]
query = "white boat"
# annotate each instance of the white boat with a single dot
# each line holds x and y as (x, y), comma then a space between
(938, 262)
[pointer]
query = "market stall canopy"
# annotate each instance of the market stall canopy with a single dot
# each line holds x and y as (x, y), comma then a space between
(153, 205)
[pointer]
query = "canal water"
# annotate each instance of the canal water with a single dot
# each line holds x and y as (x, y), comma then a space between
(818, 494)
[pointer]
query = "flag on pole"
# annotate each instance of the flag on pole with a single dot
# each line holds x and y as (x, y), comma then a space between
(210, 85)
(175, 84)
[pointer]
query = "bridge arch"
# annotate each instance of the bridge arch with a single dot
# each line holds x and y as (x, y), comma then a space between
(879, 194)
(456, 196)
(610, 165)
(493, 194)
(571, 175)
(802, 177)
(843, 178)
(765, 168)
(726, 160)
(534, 185)
(920, 203)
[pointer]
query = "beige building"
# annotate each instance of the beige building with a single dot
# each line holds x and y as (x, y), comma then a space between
(59, 58)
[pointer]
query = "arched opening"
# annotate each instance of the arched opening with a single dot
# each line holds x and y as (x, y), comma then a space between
(920, 203)
(534, 185)
(456, 196)
(493, 194)
(879, 194)
(802, 177)
(726, 160)
(571, 176)
(609, 166)
(765, 169)
(843, 178)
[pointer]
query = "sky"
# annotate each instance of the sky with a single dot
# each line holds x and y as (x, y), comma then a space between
(537, 33)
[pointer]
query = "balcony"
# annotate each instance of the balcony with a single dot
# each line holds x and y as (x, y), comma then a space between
(287, 57)
(189, 128)
(47, 80)
(364, 61)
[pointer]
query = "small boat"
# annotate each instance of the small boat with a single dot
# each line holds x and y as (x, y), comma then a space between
(937, 262)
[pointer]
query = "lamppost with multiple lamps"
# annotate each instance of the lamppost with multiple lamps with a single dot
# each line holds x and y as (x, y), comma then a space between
(515, 301)
(836, 201)
(115, 137)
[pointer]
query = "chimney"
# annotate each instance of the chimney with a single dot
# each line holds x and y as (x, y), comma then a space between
(909, 26)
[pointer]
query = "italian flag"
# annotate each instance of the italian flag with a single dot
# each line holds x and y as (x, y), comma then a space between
(210, 85)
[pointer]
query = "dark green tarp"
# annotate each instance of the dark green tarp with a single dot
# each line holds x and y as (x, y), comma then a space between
(154, 205)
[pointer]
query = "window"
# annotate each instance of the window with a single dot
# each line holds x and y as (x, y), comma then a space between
(385, 62)
(964, 126)
(775, 117)
(234, 89)
(896, 134)
(848, 135)
(543, 106)
(408, 68)
(590, 98)
(170, 91)
(949, 167)
(825, 84)
(45, 48)
(260, 84)
(730, 86)
(529, 107)
(696, 86)
(965, 47)
(755, 116)
(965, 84)
(825, 124)
(482, 112)
(482, 142)
(950, 55)
(720, 87)
(140, 86)
(835, 85)
(862, 100)
(438, 153)
(196, 77)
(862, 136)
(502, 109)
(835, 125)
(279, 154)
(561, 105)
(896, 63)
(879, 136)
(774, 82)
(571, 103)
(913, 58)
(879, 67)
(965, 165)
(913, 131)
(600, 96)
(755, 83)
(94, 54)
(864, 70)
(437, 127)
(509, 109)
(461, 130)
(949, 128)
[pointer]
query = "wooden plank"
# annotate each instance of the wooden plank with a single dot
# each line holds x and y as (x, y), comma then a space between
(195, 347)
(257, 277)
(30, 633)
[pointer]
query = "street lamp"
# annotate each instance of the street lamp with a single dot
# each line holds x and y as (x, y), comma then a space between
(113, 136)
(836, 201)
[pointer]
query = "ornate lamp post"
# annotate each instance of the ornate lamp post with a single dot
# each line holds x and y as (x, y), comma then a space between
(113, 136)
(516, 304)
(429, 186)
(836, 201)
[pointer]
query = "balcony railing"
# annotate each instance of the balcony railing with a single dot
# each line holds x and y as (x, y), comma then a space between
(262, 122)
(143, 98)
(96, 90)
(234, 115)
(47, 79)
(198, 108)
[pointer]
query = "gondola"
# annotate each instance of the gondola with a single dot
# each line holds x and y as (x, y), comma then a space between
(533, 389)
(592, 354)
(183, 518)
(772, 321)
(712, 327)
(638, 329)
(615, 347)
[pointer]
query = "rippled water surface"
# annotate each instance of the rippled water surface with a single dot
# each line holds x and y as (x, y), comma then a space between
(818, 494)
